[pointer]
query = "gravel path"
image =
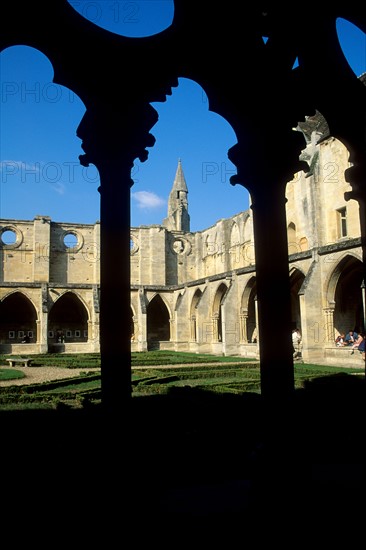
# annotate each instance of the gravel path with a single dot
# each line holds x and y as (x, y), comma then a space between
(34, 375)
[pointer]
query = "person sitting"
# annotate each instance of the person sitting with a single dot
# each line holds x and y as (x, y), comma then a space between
(351, 337)
(340, 340)
(357, 343)
(361, 347)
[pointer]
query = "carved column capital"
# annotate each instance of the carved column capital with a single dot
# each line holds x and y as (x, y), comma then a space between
(112, 135)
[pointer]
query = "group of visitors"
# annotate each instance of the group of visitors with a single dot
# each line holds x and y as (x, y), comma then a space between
(353, 340)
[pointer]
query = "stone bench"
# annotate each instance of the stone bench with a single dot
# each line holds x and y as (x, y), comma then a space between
(13, 361)
(343, 356)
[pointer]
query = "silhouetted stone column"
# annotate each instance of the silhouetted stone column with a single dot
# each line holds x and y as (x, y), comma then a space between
(273, 291)
(115, 326)
(112, 141)
(264, 166)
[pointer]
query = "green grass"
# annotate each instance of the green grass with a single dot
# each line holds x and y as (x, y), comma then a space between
(11, 374)
(183, 372)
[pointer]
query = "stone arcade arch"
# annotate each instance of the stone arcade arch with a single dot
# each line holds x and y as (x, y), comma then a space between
(116, 131)
(344, 294)
(248, 316)
(217, 314)
(158, 322)
(18, 319)
(194, 316)
(296, 280)
(67, 321)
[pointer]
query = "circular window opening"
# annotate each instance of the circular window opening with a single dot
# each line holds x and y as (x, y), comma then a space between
(8, 237)
(70, 240)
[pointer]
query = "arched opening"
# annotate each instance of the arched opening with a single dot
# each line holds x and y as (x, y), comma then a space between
(68, 320)
(347, 284)
(352, 42)
(194, 317)
(252, 330)
(296, 280)
(248, 313)
(18, 319)
(158, 325)
(201, 140)
(235, 247)
(217, 313)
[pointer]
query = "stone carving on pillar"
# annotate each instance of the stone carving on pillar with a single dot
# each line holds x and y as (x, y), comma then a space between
(243, 325)
(329, 323)
(215, 327)
(193, 329)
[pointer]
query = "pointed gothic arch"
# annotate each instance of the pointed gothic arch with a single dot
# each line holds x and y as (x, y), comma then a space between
(217, 313)
(194, 315)
(344, 294)
(234, 234)
(18, 318)
(296, 280)
(68, 319)
(235, 245)
(248, 314)
(158, 322)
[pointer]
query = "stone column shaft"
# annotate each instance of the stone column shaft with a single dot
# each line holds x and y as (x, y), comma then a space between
(115, 338)
(273, 291)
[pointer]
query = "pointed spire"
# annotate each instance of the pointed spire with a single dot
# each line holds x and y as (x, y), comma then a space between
(178, 217)
(179, 180)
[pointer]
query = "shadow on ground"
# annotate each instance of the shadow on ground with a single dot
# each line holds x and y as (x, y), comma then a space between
(191, 458)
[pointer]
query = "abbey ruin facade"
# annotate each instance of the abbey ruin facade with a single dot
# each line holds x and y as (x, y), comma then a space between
(192, 291)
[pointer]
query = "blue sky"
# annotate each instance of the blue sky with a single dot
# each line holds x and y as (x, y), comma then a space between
(39, 167)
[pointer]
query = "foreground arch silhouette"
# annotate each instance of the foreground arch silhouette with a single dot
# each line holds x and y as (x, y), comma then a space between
(115, 131)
